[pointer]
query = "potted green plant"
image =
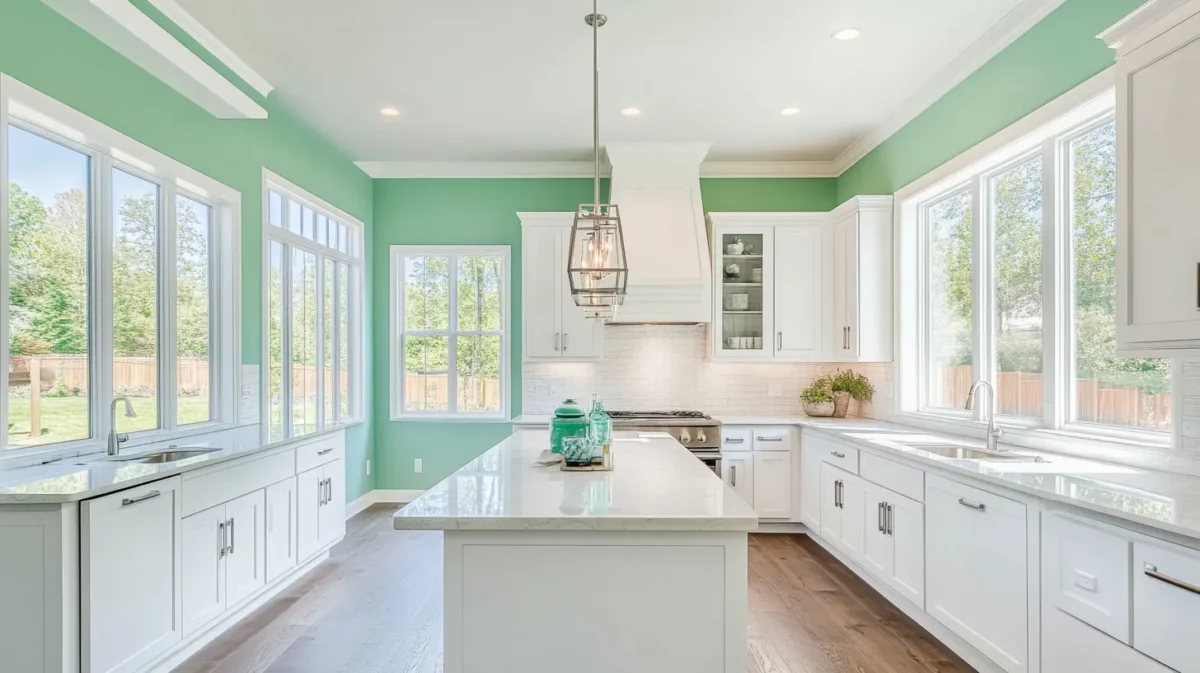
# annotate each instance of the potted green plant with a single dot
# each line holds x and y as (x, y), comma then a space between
(847, 384)
(817, 398)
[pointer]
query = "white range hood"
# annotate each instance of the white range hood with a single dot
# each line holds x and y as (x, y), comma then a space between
(657, 187)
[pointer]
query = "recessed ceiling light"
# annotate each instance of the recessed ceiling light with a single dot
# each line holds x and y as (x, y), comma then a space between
(789, 111)
(389, 111)
(846, 34)
(631, 112)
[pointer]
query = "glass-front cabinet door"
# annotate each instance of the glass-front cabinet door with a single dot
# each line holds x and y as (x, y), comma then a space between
(744, 260)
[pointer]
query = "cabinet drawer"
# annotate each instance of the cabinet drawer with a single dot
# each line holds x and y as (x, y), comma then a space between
(208, 488)
(1070, 646)
(907, 481)
(313, 454)
(834, 453)
(1166, 596)
(774, 438)
(1085, 573)
(737, 438)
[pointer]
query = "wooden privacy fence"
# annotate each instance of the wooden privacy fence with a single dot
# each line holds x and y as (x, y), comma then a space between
(129, 373)
(431, 392)
(1020, 394)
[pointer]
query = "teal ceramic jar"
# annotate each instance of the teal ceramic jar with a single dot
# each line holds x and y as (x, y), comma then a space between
(569, 421)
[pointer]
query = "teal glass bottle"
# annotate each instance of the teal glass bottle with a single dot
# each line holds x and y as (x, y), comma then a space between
(569, 421)
(600, 429)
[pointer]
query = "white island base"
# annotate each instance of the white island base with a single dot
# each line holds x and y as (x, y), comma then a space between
(639, 570)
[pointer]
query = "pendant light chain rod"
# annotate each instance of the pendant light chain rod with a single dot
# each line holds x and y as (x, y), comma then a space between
(596, 100)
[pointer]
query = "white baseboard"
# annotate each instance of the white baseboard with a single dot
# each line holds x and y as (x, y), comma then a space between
(378, 496)
(962, 648)
(786, 527)
(195, 642)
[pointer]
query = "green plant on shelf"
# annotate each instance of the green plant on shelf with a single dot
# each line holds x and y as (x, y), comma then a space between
(820, 391)
(849, 381)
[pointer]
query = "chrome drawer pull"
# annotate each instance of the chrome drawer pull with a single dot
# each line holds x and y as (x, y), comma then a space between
(973, 505)
(141, 498)
(770, 439)
(879, 517)
(734, 440)
(1152, 571)
(733, 475)
(889, 520)
(837, 454)
(232, 535)
(224, 547)
(322, 453)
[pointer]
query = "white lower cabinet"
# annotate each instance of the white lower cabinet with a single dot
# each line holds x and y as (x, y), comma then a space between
(1070, 646)
(894, 541)
(810, 486)
(280, 547)
(1166, 596)
(223, 560)
(773, 484)
(321, 508)
(976, 569)
(737, 469)
(129, 577)
(842, 510)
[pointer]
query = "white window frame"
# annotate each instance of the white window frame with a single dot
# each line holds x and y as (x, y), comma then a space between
(397, 332)
(25, 107)
(1048, 132)
(353, 258)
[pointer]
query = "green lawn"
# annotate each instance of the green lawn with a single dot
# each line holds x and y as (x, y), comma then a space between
(66, 418)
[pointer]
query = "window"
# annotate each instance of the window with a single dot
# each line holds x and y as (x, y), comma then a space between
(115, 282)
(1015, 267)
(450, 331)
(312, 281)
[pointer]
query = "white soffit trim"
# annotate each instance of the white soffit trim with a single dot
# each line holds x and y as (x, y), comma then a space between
(121, 26)
(188, 24)
(995, 40)
(583, 169)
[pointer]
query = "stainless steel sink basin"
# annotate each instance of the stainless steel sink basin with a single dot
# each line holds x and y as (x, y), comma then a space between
(156, 457)
(972, 453)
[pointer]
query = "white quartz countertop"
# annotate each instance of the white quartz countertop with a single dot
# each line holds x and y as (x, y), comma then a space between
(656, 485)
(72, 479)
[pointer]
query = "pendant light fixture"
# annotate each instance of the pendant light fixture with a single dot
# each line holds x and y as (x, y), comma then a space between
(596, 264)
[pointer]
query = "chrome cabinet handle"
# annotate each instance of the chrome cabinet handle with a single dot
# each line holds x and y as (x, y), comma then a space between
(879, 517)
(889, 520)
(320, 493)
(224, 546)
(735, 440)
(1198, 286)
(973, 505)
(779, 341)
(556, 341)
(141, 498)
(1152, 571)
(769, 439)
(324, 451)
(837, 493)
(232, 535)
(329, 490)
(733, 475)
(564, 342)
(837, 454)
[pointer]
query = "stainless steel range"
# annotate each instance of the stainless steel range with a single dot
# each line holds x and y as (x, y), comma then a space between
(700, 433)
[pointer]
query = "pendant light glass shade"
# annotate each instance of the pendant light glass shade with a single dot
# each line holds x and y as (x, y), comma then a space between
(596, 266)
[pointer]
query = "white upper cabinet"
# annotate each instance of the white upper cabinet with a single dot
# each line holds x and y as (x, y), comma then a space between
(861, 285)
(553, 327)
(770, 288)
(1158, 168)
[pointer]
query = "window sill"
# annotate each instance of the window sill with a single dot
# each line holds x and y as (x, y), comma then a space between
(453, 418)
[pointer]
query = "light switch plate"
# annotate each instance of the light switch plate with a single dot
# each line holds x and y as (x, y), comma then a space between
(417, 466)
(1085, 581)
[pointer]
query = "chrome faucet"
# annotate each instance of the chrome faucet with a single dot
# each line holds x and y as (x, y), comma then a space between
(114, 438)
(993, 432)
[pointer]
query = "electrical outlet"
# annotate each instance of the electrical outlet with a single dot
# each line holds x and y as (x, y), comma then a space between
(775, 390)
(368, 467)
(417, 467)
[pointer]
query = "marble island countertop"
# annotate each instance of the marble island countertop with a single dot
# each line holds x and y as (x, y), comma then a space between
(78, 478)
(656, 485)
(1160, 500)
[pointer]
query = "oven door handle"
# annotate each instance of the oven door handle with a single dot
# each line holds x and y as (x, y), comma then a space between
(707, 455)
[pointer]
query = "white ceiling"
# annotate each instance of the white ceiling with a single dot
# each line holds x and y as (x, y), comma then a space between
(489, 81)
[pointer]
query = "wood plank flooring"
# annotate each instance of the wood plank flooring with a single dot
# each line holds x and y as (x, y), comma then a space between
(375, 606)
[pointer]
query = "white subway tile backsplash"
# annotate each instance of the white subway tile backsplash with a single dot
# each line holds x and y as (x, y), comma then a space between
(666, 367)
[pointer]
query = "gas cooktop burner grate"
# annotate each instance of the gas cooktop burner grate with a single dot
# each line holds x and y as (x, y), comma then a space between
(657, 414)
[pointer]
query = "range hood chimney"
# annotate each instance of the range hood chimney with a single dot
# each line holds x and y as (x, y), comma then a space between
(666, 240)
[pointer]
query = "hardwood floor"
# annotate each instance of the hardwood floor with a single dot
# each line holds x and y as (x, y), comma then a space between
(375, 605)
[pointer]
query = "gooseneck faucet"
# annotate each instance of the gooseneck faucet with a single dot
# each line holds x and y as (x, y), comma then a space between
(993, 432)
(115, 438)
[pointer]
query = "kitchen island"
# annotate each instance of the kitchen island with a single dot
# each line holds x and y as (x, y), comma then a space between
(639, 569)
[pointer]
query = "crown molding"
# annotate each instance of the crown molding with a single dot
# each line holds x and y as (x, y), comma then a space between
(221, 51)
(1141, 24)
(129, 32)
(995, 40)
(583, 169)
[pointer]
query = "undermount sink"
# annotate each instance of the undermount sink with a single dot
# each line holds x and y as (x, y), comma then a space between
(972, 453)
(156, 457)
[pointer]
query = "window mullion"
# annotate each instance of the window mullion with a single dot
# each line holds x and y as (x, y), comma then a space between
(1056, 273)
(452, 359)
(4, 267)
(335, 323)
(168, 393)
(285, 336)
(100, 338)
(320, 341)
(982, 354)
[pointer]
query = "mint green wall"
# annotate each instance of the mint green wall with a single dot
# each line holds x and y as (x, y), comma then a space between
(49, 53)
(1053, 57)
(483, 212)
